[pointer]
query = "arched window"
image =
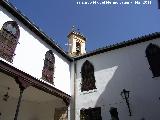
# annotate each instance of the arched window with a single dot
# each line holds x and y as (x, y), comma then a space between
(153, 56)
(9, 35)
(88, 79)
(48, 68)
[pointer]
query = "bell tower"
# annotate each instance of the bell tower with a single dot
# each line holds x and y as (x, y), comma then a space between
(76, 43)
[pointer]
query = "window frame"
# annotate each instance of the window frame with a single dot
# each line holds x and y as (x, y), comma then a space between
(88, 82)
(49, 67)
(89, 114)
(9, 41)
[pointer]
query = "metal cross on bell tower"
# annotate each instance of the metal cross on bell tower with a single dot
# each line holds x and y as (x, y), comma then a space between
(73, 28)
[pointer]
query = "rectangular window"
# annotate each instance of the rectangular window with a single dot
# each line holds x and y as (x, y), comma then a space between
(91, 114)
(114, 113)
(61, 114)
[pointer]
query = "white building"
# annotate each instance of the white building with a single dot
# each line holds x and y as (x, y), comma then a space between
(40, 81)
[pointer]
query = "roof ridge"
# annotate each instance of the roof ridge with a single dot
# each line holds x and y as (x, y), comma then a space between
(129, 42)
(21, 17)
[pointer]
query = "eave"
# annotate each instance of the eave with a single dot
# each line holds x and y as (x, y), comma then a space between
(31, 81)
(120, 45)
(17, 14)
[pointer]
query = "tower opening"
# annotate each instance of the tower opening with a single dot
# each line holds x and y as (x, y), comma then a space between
(76, 43)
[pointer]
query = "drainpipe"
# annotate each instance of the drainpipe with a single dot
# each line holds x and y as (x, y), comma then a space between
(74, 78)
(19, 103)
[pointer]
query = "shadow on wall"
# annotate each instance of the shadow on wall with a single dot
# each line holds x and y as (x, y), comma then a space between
(125, 74)
(110, 94)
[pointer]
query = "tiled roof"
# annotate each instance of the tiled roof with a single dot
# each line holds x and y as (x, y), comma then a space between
(78, 34)
(15, 72)
(16, 13)
(121, 45)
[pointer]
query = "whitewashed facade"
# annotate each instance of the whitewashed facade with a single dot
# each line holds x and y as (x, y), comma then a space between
(30, 54)
(24, 94)
(114, 68)
(35, 104)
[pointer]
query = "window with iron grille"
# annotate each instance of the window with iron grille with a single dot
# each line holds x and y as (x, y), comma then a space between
(88, 78)
(48, 68)
(9, 35)
(153, 56)
(91, 114)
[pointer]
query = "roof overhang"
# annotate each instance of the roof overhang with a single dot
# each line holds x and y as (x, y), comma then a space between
(28, 80)
(17, 14)
(120, 45)
(77, 34)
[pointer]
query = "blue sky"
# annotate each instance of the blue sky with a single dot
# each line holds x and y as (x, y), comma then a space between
(101, 24)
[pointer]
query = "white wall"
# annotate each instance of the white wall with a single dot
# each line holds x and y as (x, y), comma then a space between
(118, 69)
(29, 110)
(30, 54)
(35, 104)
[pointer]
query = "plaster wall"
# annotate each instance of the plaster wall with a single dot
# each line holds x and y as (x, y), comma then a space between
(83, 48)
(115, 70)
(35, 104)
(30, 55)
(73, 46)
(29, 110)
